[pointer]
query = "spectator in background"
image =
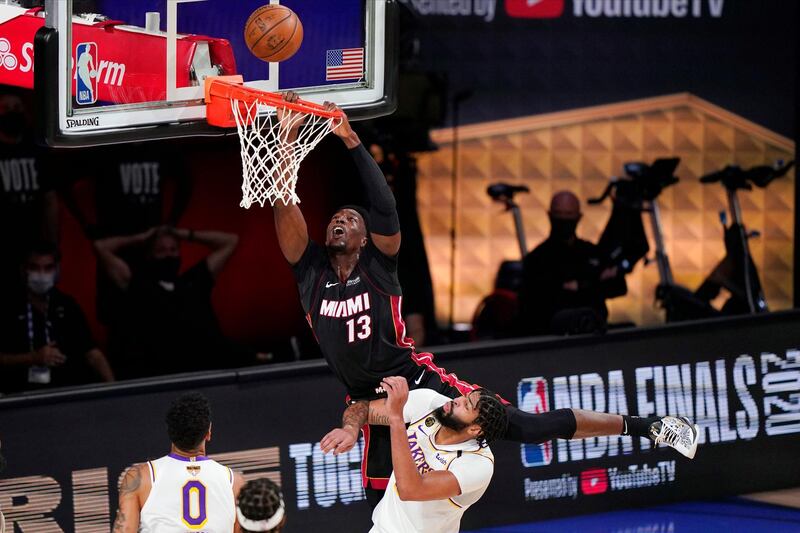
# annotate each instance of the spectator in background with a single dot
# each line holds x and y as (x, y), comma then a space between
(565, 282)
(130, 189)
(413, 271)
(166, 323)
(44, 337)
(28, 204)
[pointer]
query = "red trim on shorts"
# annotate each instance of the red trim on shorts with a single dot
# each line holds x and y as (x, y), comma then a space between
(364, 478)
(366, 481)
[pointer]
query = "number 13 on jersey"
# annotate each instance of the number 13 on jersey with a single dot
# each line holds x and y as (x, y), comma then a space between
(358, 328)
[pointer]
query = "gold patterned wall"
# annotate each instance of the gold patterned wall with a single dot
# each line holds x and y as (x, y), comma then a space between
(579, 150)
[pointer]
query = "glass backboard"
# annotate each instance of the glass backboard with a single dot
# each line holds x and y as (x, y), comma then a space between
(135, 70)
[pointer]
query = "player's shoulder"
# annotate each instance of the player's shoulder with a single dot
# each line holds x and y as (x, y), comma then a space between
(421, 403)
(482, 451)
(135, 476)
(314, 254)
(221, 469)
(426, 399)
(475, 458)
(388, 262)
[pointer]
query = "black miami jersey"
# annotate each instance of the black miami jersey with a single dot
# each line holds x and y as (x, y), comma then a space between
(357, 322)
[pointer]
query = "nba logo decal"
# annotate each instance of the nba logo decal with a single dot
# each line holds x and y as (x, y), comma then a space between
(86, 77)
(533, 397)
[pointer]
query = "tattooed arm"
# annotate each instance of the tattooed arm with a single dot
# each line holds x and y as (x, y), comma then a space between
(135, 484)
(378, 412)
(342, 439)
(357, 414)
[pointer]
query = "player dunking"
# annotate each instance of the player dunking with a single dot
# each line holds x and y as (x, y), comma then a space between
(351, 294)
(184, 490)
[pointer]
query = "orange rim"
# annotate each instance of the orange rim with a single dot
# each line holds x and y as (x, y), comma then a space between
(221, 90)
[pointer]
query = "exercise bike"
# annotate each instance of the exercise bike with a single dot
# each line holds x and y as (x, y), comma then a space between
(638, 191)
(495, 316)
(737, 272)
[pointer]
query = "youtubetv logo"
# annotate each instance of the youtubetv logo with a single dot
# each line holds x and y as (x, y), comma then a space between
(648, 8)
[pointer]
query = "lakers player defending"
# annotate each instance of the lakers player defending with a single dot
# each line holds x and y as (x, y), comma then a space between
(185, 490)
(442, 463)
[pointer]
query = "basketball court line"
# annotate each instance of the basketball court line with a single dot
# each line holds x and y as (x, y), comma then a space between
(721, 516)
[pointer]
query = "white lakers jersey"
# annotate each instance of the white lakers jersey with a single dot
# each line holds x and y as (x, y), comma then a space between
(188, 495)
(472, 466)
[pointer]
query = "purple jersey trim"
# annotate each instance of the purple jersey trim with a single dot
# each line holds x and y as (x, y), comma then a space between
(188, 459)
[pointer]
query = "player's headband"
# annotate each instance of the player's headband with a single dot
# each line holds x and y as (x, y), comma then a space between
(261, 525)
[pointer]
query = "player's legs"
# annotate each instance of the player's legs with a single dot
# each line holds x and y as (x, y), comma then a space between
(535, 428)
(524, 427)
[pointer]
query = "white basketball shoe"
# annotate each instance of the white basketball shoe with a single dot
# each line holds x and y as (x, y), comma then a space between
(676, 432)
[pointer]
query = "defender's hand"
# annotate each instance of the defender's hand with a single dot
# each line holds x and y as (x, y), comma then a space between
(340, 440)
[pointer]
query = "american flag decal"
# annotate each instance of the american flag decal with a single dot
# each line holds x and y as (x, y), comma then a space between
(344, 64)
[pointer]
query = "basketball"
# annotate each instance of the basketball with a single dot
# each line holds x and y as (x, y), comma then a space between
(273, 33)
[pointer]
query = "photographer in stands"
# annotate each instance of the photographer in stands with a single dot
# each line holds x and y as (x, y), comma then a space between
(565, 282)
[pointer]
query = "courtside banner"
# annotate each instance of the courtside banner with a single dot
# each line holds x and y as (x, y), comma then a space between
(738, 378)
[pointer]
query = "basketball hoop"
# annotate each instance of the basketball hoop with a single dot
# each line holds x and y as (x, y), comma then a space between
(275, 136)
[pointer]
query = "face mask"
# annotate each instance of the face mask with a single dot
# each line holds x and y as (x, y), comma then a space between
(562, 229)
(40, 283)
(12, 124)
(166, 268)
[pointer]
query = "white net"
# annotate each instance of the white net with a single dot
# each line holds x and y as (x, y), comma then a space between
(275, 140)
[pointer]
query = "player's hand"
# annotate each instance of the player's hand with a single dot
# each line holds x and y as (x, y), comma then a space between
(340, 440)
(344, 130)
(289, 121)
(49, 355)
(396, 395)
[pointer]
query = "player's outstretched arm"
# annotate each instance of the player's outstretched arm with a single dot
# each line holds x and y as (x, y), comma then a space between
(292, 231)
(411, 485)
(290, 225)
(341, 440)
(357, 414)
(384, 222)
(130, 499)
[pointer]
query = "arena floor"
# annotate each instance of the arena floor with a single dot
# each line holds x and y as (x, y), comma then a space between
(752, 513)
